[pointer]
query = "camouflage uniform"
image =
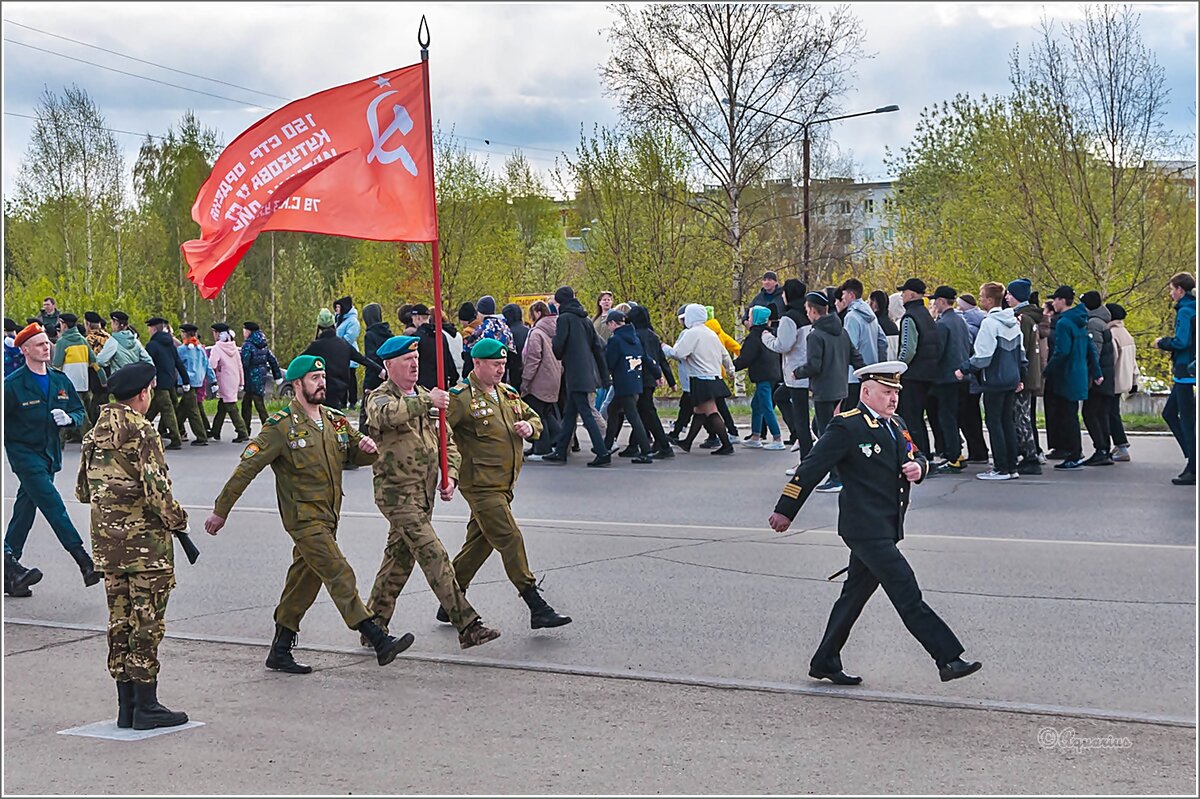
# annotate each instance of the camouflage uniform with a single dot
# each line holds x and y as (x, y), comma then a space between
(406, 479)
(123, 475)
(492, 457)
(307, 461)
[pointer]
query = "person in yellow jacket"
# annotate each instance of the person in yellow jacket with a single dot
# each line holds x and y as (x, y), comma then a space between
(734, 349)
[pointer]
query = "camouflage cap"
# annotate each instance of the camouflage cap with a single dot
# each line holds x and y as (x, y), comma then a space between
(302, 365)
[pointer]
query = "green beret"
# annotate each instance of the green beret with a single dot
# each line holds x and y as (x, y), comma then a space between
(128, 381)
(302, 365)
(396, 346)
(488, 349)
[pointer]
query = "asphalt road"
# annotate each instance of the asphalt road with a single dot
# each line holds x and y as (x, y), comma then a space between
(1077, 591)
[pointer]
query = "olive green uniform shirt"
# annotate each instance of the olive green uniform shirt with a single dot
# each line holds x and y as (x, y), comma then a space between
(492, 452)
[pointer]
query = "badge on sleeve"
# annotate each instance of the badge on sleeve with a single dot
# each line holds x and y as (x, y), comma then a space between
(250, 451)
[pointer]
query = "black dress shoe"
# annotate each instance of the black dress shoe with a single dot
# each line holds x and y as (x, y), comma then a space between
(600, 460)
(959, 668)
(554, 457)
(838, 677)
(1185, 479)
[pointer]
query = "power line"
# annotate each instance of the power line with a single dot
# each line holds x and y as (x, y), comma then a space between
(135, 75)
(142, 60)
(97, 127)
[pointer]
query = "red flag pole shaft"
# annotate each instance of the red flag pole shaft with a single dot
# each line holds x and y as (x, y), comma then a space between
(443, 453)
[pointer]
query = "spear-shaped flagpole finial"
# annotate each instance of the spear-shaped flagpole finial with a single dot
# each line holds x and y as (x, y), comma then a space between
(423, 34)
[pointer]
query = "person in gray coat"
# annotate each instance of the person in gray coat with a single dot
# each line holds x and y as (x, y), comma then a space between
(956, 348)
(865, 333)
(830, 355)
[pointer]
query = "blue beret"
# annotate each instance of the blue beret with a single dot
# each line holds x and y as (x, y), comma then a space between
(488, 349)
(396, 346)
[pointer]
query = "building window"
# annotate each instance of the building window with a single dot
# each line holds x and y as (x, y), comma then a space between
(887, 235)
(843, 236)
(869, 233)
(869, 207)
(888, 203)
(843, 206)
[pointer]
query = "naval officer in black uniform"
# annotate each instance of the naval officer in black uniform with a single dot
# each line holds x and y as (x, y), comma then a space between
(878, 462)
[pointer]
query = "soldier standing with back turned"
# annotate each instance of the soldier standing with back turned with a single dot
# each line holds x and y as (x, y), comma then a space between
(305, 445)
(491, 423)
(123, 475)
(402, 417)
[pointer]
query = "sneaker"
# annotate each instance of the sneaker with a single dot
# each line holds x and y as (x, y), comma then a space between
(601, 460)
(554, 457)
(662, 454)
(1041, 458)
(829, 487)
(796, 447)
(775, 446)
(992, 474)
(727, 449)
(791, 472)
(952, 467)
(1185, 479)
(1029, 466)
(1058, 455)
(533, 458)
(753, 443)
(710, 443)
(1099, 459)
(1120, 454)
(1068, 465)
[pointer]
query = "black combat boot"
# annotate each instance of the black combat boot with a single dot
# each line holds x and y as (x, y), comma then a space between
(442, 615)
(386, 647)
(540, 613)
(125, 703)
(86, 567)
(281, 658)
(18, 579)
(148, 714)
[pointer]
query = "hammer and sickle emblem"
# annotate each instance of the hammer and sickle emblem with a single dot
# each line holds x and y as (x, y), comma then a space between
(402, 123)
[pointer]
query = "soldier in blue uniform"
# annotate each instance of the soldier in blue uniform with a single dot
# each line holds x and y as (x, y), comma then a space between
(38, 402)
(878, 462)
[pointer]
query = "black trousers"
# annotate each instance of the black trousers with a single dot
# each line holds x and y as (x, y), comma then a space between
(823, 410)
(970, 421)
(874, 563)
(551, 424)
(352, 389)
(685, 415)
(782, 397)
(1062, 416)
(853, 392)
(1002, 428)
(650, 419)
(912, 410)
(251, 400)
(933, 413)
(1033, 424)
(1097, 415)
(798, 400)
(948, 400)
(578, 407)
(727, 417)
(1115, 424)
(627, 406)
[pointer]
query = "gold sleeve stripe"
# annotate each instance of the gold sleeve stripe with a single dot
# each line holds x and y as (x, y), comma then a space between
(791, 491)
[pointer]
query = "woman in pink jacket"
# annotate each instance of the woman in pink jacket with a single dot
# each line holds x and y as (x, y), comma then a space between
(225, 358)
(541, 376)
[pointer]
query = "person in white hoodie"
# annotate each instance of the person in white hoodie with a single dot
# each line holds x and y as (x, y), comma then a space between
(865, 333)
(699, 348)
(1126, 380)
(1000, 363)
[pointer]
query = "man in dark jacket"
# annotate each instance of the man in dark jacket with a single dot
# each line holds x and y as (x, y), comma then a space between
(171, 372)
(764, 369)
(337, 355)
(639, 318)
(955, 344)
(1180, 410)
(771, 294)
(627, 362)
(520, 332)
(584, 370)
(427, 353)
(1097, 408)
(920, 349)
(1072, 367)
(377, 331)
(830, 355)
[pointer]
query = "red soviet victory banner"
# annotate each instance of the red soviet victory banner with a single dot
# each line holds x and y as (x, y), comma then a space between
(348, 161)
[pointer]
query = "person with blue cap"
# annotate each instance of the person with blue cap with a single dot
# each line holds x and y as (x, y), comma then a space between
(305, 445)
(402, 417)
(490, 423)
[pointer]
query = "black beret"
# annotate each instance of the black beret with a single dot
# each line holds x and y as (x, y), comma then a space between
(93, 317)
(128, 381)
(220, 327)
(251, 326)
(155, 320)
(10, 326)
(120, 316)
(68, 319)
(188, 328)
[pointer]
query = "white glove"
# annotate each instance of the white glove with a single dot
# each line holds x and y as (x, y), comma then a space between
(213, 388)
(186, 389)
(61, 418)
(279, 381)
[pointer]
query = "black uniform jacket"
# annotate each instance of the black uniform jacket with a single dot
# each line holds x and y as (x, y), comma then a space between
(875, 492)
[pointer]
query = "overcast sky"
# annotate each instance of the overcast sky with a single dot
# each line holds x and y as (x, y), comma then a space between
(515, 74)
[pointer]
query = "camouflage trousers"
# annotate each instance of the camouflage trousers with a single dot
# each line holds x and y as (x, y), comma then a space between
(492, 527)
(411, 538)
(137, 610)
(318, 560)
(1026, 441)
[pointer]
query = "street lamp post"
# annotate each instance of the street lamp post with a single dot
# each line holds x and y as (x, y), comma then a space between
(805, 126)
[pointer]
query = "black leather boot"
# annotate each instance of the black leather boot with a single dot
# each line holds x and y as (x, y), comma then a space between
(540, 613)
(280, 658)
(86, 567)
(386, 647)
(148, 714)
(125, 703)
(18, 579)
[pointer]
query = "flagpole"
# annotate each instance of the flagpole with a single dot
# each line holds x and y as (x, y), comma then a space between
(423, 41)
